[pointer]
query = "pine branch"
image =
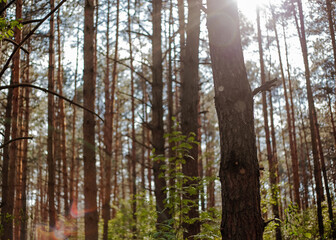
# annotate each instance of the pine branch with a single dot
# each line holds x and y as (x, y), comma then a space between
(13, 140)
(51, 92)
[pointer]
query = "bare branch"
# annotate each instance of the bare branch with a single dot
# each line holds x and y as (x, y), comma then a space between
(53, 93)
(28, 36)
(266, 86)
(137, 73)
(13, 140)
(24, 22)
(16, 44)
(7, 6)
(138, 99)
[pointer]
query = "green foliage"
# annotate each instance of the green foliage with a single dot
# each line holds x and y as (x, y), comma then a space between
(177, 205)
(300, 225)
(121, 226)
(7, 26)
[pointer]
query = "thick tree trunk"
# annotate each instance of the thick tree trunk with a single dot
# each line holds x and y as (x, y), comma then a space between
(239, 169)
(189, 115)
(90, 185)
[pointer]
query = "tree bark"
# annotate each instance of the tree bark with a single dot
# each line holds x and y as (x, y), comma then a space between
(107, 132)
(189, 116)
(157, 119)
(24, 221)
(239, 169)
(90, 184)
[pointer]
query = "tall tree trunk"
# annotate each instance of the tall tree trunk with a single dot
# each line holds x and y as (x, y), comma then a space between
(5, 163)
(292, 137)
(51, 124)
(113, 90)
(170, 123)
(133, 157)
(275, 157)
(332, 30)
(239, 169)
(90, 184)
(308, 159)
(325, 179)
(73, 140)
(286, 157)
(24, 221)
(189, 117)
(13, 148)
(270, 158)
(312, 113)
(157, 119)
(62, 119)
(304, 156)
(107, 132)
(331, 115)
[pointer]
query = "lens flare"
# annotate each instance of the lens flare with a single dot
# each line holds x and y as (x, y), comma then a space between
(65, 227)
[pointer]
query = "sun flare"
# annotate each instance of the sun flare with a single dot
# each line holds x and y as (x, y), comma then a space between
(248, 7)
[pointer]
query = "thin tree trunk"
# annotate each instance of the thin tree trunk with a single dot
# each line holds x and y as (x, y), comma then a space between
(275, 157)
(133, 157)
(116, 157)
(304, 155)
(73, 140)
(113, 90)
(239, 169)
(286, 157)
(332, 31)
(170, 123)
(107, 133)
(90, 185)
(292, 137)
(13, 148)
(51, 124)
(62, 120)
(270, 158)
(325, 178)
(6, 159)
(308, 159)
(331, 116)
(24, 221)
(312, 113)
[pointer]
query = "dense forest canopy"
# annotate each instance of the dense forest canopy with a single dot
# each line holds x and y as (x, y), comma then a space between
(175, 119)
